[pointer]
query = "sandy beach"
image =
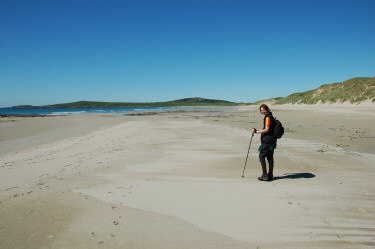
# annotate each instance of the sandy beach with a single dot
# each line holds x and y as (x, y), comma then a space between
(173, 180)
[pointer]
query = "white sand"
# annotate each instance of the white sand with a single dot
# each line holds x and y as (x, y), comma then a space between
(174, 181)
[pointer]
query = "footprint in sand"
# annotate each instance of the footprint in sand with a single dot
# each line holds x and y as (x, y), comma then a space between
(11, 188)
(325, 220)
(302, 206)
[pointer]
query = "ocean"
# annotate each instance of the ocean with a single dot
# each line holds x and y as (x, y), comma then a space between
(77, 111)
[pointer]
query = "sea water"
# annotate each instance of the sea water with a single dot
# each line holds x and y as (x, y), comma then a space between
(98, 110)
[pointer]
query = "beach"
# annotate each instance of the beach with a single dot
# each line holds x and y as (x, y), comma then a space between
(173, 180)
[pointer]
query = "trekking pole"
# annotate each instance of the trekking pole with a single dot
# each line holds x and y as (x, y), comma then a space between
(247, 155)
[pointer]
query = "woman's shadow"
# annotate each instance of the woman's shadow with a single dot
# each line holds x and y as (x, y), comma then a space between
(294, 176)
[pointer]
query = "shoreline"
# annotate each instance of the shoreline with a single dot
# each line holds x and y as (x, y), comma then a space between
(338, 126)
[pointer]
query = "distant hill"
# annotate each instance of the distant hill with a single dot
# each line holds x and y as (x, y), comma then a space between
(354, 90)
(180, 102)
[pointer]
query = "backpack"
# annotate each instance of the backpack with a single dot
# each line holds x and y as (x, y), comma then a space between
(278, 130)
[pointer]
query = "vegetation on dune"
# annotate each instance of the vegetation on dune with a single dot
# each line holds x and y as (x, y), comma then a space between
(271, 101)
(354, 91)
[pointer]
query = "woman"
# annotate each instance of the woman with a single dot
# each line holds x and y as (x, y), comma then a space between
(268, 143)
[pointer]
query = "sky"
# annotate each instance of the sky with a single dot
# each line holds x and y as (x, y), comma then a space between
(60, 51)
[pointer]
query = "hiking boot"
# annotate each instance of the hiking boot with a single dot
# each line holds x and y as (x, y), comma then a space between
(270, 173)
(264, 176)
(270, 178)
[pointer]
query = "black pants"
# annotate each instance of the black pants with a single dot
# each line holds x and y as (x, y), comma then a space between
(266, 152)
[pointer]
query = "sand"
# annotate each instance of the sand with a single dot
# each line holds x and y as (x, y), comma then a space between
(173, 180)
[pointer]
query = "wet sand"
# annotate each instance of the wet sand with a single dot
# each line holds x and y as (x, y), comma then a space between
(173, 180)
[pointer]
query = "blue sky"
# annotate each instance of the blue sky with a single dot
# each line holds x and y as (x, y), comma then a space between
(56, 51)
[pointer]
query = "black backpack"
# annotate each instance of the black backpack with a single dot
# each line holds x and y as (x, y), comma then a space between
(278, 130)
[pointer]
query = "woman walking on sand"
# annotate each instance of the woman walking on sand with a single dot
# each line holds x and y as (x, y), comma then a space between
(268, 143)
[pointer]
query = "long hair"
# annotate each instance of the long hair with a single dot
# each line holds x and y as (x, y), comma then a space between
(265, 107)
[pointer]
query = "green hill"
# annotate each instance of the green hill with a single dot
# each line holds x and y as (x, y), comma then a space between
(180, 102)
(354, 91)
